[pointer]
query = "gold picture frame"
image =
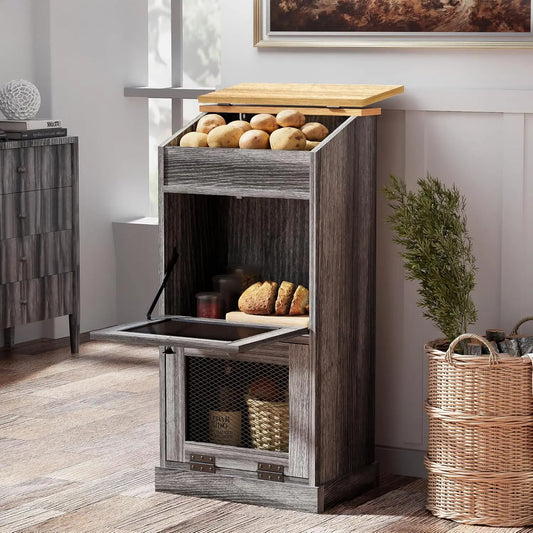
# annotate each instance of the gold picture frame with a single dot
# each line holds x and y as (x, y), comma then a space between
(264, 37)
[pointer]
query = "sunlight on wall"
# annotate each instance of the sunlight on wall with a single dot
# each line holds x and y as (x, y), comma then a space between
(201, 28)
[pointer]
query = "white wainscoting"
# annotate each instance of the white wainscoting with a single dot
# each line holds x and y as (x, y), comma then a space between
(481, 141)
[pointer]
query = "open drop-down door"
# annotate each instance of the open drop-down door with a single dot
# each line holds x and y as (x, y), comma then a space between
(190, 332)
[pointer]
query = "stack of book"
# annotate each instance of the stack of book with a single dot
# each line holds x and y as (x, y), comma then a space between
(21, 130)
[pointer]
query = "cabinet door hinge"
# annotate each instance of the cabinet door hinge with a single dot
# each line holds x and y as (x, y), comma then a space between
(202, 463)
(270, 472)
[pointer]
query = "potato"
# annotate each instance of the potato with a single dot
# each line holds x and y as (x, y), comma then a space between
(287, 139)
(224, 137)
(309, 145)
(254, 139)
(314, 131)
(194, 139)
(243, 124)
(290, 118)
(264, 122)
(209, 122)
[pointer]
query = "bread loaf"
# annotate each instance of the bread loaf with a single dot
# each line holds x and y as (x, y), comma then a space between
(259, 298)
(300, 301)
(265, 299)
(285, 294)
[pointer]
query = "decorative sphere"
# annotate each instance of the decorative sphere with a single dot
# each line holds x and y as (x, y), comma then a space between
(19, 100)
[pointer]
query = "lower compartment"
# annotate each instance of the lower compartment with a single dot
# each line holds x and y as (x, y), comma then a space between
(244, 408)
(240, 427)
(237, 403)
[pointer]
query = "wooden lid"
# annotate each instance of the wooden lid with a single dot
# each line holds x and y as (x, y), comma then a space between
(301, 94)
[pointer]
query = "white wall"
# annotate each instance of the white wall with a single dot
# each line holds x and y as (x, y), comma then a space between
(466, 117)
(97, 49)
(82, 54)
(16, 40)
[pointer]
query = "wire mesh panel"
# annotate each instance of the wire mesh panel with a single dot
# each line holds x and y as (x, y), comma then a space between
(237, 403)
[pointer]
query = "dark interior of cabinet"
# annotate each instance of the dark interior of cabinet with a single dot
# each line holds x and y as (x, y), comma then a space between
(212, 234)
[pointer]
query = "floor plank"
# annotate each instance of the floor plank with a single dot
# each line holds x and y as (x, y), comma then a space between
(79, 438)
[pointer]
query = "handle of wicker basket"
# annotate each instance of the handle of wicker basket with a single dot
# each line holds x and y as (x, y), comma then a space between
(514, 331)
(493, 355)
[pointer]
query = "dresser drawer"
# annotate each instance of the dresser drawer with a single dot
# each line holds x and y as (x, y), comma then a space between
(36, 256)
(36, 299)
(33, 212)
(36, 167)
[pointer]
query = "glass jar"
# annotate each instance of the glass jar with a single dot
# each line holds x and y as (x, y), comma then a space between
(209, 305)
(248, 275)
(230, 287)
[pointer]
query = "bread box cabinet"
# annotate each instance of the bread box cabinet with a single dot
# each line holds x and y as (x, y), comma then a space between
(302, 216)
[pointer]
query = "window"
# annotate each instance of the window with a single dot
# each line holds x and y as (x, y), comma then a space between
(183, 62)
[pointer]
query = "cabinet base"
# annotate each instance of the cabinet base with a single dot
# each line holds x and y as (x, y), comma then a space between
(243, 487)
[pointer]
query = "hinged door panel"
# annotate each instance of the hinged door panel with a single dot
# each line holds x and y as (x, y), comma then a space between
(190, 332)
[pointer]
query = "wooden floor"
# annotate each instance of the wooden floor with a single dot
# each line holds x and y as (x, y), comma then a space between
(79, 442)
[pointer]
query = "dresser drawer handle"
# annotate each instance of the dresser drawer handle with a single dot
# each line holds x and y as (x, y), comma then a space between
(23, 302)
(21, 170)
(21, 216)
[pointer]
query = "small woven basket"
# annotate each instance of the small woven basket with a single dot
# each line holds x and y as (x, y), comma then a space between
(269, 424)
(480, 451)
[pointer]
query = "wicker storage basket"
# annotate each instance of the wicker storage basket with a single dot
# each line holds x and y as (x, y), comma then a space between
(480, 451)
(269, 424)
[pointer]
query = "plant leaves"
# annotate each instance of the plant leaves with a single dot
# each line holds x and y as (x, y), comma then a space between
(430, 226)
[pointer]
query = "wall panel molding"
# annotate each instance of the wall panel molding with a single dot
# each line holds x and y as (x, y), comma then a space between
(481, 141)
(512, 216)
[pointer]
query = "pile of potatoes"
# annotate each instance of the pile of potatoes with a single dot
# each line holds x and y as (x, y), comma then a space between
(288, 130)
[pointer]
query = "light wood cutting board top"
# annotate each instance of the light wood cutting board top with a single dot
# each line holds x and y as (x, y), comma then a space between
(268, 320)
(315, 94)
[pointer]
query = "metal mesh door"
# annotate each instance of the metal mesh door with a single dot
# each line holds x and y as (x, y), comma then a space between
(237, 403)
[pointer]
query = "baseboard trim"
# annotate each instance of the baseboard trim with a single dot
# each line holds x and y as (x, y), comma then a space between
(402, 462)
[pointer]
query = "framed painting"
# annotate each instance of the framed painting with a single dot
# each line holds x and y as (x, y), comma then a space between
(393, 23)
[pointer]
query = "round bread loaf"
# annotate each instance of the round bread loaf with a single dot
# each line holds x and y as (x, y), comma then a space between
(259, 298)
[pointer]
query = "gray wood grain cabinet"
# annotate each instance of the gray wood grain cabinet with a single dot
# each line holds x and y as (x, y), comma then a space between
(39, 242)
(303, 216)
(307, 217)
(304, 438)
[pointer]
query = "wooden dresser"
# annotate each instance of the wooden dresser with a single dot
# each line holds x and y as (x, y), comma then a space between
(39, 235)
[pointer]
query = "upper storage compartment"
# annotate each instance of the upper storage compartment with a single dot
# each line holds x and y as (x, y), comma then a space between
(263, 173)
(214, 233)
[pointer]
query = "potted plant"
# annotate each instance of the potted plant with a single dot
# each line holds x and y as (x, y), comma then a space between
(479, 459)
(430, 226)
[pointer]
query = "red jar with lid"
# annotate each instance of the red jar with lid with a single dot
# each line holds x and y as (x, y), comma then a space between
(209, 305)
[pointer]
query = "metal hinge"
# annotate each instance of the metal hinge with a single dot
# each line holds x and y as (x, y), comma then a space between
(270, 472)
(202, 463)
